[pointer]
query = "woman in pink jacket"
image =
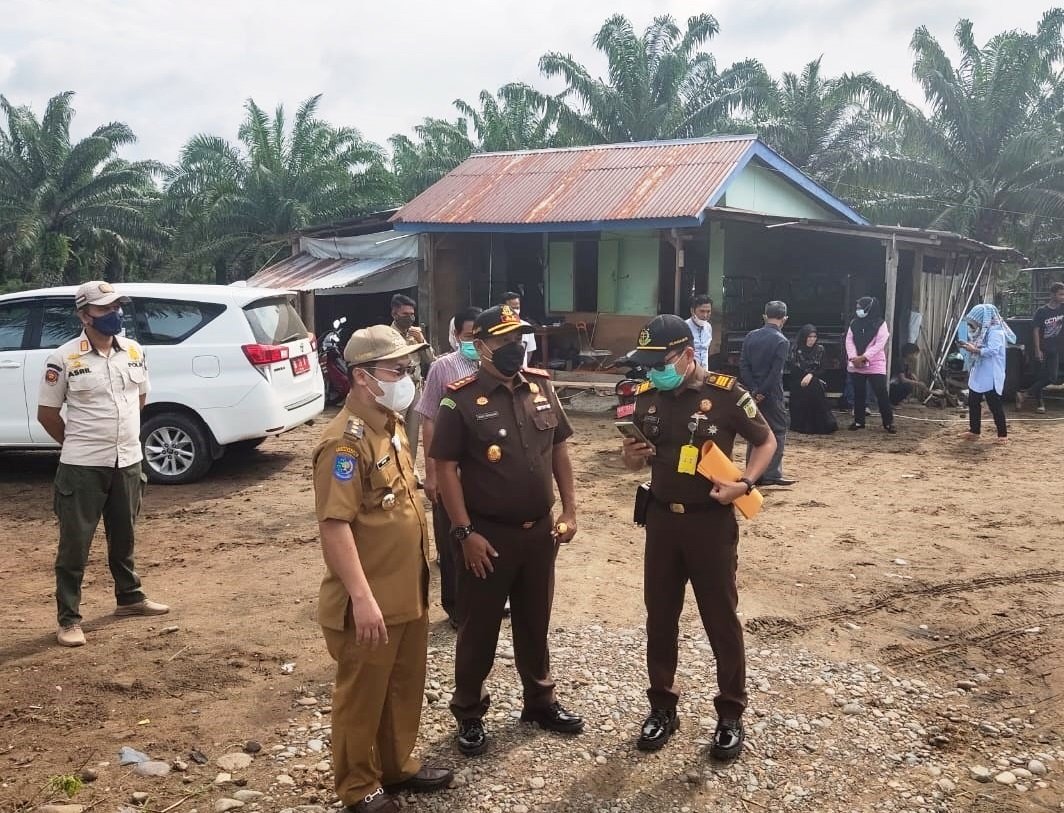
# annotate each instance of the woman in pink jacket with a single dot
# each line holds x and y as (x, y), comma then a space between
(866, 348)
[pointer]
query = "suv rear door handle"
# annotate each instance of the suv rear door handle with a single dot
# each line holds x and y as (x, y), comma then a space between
(9, 365)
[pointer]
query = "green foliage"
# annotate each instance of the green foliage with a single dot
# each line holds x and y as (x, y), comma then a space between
(659, 86)
(987, 160)
(67, 784)
(237, 205)
(67, 208)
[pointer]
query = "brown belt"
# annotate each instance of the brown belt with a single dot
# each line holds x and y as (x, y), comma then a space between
(687, 508)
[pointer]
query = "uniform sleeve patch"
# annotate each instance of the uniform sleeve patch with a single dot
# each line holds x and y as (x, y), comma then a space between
(447, 402)
(749, 406)
(344, 466)
(52, 376)
(645, 386)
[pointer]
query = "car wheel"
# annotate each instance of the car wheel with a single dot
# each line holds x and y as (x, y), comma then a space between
(176, 449)
(244, 446)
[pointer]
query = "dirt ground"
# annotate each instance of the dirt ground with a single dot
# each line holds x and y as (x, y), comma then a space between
(920, 553)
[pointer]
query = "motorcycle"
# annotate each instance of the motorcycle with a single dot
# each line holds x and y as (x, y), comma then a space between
(333, 367)
(626, 389)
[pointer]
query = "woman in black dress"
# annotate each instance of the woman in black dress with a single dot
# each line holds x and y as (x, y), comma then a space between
(810, 412)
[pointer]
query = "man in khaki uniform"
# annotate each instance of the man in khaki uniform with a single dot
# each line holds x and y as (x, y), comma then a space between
(373, 604)
(102, 379)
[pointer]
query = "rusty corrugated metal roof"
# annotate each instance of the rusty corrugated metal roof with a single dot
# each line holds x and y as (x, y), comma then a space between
(613, 182)
(303, 272)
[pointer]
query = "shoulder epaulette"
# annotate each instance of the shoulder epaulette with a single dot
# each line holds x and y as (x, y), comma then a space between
(355, 428)
(644, 386)
(721, 381)
(462, 382)
(536, 371)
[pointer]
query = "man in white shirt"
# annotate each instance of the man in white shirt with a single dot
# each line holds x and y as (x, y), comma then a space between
(513, 299)
(102, 379)
(701, 330)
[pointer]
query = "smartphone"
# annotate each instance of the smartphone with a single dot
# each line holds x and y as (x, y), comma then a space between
(630, 430)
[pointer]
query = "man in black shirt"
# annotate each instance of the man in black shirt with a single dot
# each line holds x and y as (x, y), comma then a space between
(761, 363)
(1048, 333)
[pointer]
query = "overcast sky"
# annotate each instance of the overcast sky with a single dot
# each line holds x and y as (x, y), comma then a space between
(171, 68)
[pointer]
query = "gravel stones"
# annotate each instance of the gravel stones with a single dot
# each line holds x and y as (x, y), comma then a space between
(236, 761)
(1037, 767)
(152, 768)
(1005, 778)
(224, 805)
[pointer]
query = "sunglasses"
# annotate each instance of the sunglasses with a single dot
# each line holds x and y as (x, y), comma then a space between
(407, 369)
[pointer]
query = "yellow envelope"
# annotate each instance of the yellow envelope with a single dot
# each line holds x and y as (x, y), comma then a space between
(717, 464)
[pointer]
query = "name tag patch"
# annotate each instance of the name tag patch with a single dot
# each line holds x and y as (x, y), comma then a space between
(484, 416)
(384, 461)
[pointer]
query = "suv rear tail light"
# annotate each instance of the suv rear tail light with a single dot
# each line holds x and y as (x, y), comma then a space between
(263, 354)
(626, 389)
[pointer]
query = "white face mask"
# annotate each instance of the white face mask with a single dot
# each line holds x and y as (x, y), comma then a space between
(396, 395)
(861, 314)
(699, 322)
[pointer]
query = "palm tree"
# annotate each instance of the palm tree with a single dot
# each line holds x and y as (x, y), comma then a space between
(238, 205)
(819, 123)
(660, 86)
(61, 201)
(441, 146)
(516, 118)
(990, 150)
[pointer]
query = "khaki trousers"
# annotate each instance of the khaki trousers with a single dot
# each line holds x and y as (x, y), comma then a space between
(376, 707)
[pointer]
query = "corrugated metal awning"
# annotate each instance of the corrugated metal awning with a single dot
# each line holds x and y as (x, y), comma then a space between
(306, 273)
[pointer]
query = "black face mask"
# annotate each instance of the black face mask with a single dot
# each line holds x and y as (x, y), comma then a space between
(508, 359)
(404, 322)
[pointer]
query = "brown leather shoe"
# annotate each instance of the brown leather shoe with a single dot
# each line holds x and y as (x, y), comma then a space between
(426, 780)
(70, 636)
(145, 607)
(376, 802)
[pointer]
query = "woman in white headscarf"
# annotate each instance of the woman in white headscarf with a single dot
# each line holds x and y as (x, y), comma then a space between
(987, 338)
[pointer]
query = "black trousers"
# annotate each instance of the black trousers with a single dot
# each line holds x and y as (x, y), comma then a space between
(1047, 375)
(860, 398)
(702, 549)
(441, 530)
(975, 411)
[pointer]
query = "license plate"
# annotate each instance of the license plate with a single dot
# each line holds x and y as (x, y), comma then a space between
(625, 410)
(300, 365)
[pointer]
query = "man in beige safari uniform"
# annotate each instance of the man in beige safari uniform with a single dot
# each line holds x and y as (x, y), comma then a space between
(102, 379)
(373, 604)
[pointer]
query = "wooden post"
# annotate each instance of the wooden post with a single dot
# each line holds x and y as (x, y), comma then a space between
(677, 245)
(892, 294)
(426, 292)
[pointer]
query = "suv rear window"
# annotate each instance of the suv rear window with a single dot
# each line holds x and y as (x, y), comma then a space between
(14, 319)
(275, 321)
(171, 321)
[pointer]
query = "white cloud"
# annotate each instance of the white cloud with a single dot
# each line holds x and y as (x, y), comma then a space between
(171, 68)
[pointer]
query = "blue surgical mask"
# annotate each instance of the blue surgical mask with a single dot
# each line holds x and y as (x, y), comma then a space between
(861, 313)
(468, 350)
(668, 379)
(110, 324)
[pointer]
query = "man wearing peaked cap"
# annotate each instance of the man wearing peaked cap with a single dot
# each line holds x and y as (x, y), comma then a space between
(691, 531)
(102, 379)
(373, 603)
(505, 430)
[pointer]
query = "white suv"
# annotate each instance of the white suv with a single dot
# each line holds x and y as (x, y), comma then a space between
(229, 366)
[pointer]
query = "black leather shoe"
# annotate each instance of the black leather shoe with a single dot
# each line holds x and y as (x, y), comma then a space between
(777, 481)
(472, 738)
(426, 780)
(554, 718)
(891, 430)
(727, 740)
(657, 728)
(853, 427)
(377, 802)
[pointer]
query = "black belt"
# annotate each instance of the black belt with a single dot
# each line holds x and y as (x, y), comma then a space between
(686, 508)
(513, 523)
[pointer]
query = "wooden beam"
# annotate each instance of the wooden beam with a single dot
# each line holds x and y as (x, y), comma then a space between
(892, 293)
